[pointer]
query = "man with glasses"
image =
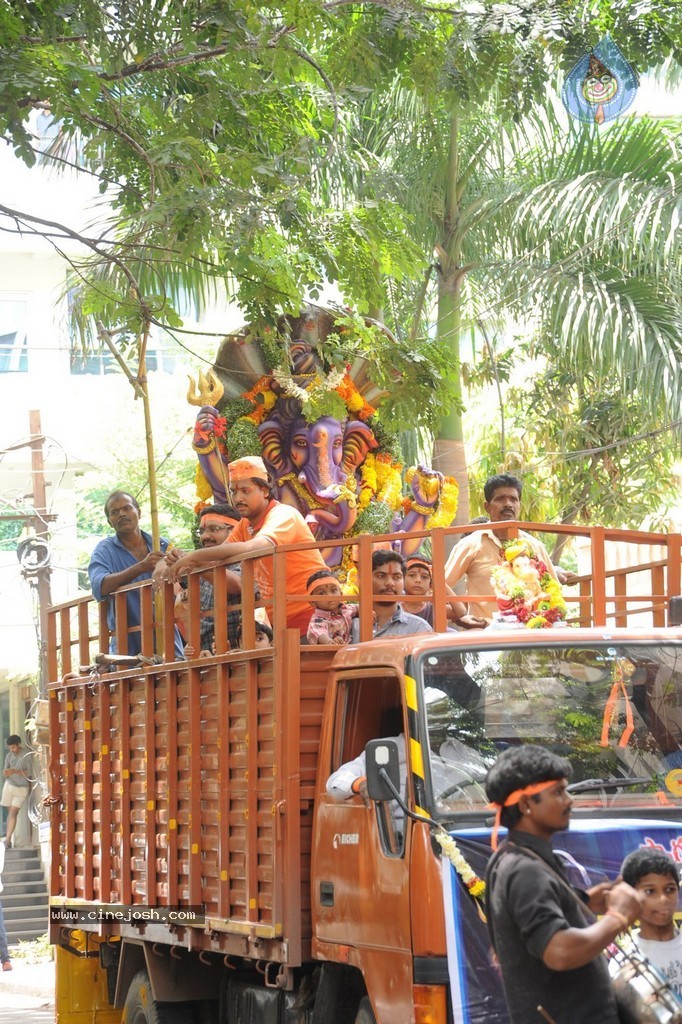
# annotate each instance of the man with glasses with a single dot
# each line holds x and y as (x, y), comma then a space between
(215, 524)
(390, 618)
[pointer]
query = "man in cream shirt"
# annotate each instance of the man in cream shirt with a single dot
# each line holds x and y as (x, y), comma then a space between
(476, 556)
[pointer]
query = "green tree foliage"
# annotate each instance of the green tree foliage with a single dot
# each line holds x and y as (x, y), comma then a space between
(582, 447)
(271, 147)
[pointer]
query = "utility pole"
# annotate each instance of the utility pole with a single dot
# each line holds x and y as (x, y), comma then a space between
(39, 523)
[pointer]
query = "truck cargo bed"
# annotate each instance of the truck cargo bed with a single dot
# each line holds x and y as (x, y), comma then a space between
(191, 786)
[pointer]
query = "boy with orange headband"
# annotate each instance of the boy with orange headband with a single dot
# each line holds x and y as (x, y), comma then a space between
(547, 940)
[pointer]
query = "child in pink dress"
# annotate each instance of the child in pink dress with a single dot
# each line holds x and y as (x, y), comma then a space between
(331, 619)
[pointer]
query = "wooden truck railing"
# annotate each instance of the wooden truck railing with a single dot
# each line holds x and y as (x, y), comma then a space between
(77, 629)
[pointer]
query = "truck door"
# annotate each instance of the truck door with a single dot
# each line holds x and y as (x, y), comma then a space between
(360, 867)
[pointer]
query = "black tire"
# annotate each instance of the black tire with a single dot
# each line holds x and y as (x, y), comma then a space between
(365, 1013)
(141, 1007)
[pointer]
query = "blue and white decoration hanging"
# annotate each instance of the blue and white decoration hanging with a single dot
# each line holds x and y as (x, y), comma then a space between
(601, 86)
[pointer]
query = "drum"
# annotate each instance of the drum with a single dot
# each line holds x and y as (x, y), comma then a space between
(642, 993)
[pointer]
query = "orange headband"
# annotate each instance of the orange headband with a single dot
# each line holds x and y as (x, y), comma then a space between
(217, 517)
(512, 799)
(321, 581)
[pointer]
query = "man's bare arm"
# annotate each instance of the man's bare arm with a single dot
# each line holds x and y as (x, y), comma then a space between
(575, 947)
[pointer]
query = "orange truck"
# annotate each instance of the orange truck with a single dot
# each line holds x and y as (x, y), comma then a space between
(202, 872)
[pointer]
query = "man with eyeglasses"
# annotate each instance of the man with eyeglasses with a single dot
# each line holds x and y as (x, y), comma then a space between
(390, 618)
(215, 524)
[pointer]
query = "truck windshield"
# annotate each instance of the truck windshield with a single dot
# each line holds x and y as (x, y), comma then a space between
(614, 711)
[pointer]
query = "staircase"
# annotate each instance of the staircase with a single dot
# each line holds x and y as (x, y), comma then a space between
(24, 896)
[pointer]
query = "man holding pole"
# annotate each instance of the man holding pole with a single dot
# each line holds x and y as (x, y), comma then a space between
(125, 558)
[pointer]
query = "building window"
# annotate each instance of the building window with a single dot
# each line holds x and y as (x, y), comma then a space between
(13, 336)
(98, 363)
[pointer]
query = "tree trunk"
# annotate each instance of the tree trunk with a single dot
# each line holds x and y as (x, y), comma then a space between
(449, 455)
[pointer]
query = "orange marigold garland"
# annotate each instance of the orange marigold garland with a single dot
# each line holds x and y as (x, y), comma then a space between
(353, 400)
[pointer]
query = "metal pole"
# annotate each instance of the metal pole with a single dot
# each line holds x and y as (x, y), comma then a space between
(39, 523)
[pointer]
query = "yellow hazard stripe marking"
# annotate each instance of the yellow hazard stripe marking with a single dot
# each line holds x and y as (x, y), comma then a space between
(411, 693)
(416, 759)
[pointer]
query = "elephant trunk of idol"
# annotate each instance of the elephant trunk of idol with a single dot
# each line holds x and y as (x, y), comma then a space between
(315, 462)
(326, 481)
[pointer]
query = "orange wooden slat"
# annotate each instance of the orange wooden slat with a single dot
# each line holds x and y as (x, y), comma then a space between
(598, 577)
(365, 588)
(83, 634)
(147, 644)
(195, 785)
(121, 622)
(69, 796)
(658, 588)
(223, 676)
(52, 649)
(287, 895)
(172, 874)
(123, 686)
(620, 601)
(440, 618)
(105, 793)
(86, 722)
(65, 639)
(220, 607)
(150, 787)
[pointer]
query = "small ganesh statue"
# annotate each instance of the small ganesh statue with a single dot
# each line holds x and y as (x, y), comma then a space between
(526, 592)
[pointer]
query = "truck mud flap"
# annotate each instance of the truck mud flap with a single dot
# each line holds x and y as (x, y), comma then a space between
(247, 1001)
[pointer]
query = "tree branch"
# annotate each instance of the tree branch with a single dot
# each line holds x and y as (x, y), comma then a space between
(155, 62)
(67, 232)
(134, 145)
(325, 78)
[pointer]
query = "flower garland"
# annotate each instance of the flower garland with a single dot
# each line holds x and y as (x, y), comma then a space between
(389, 480)
(474, 884)
(353, 400)
(524, 588)
(368, 481)
(261, 409)
(203, 488)
(446, 508)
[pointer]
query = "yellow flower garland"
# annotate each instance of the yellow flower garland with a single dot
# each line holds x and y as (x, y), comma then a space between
(474, 884)
(446, 509)
(203, 487)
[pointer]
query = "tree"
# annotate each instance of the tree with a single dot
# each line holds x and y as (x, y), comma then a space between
(585, 451)
(571, 228)
(218, 130)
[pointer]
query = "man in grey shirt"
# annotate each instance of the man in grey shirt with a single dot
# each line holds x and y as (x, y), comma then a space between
(16, 784)
(390, 618)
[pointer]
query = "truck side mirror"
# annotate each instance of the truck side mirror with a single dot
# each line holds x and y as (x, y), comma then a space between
(382, 763)
(675, 611)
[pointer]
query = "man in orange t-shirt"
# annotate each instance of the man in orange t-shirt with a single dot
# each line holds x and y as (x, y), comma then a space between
(265, 523)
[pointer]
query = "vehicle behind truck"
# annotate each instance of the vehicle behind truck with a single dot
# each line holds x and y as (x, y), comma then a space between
(202, 873)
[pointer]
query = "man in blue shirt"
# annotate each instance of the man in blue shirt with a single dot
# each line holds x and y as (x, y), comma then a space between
(390, 618)
(125, 558)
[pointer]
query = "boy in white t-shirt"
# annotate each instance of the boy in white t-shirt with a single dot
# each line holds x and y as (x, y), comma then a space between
(656, 875)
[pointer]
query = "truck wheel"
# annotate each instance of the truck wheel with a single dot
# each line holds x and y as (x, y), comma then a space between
(365, 1013)
(142, 1008)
